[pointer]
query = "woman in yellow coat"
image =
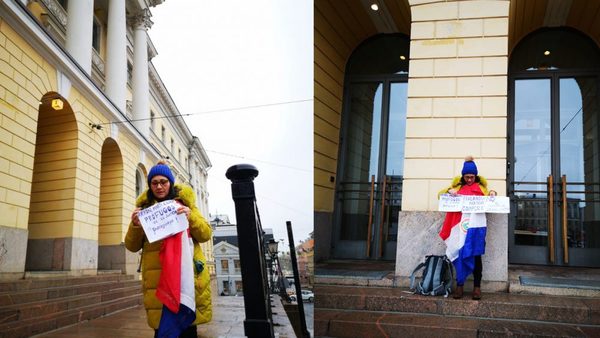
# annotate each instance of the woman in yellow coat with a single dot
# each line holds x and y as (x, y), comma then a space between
(162, 187)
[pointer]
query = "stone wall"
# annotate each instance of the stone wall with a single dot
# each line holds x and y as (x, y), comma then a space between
(418, 237)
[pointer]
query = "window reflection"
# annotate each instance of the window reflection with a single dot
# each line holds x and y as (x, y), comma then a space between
(362, 138)
(532, 160)
(532, 131)
(580, 159)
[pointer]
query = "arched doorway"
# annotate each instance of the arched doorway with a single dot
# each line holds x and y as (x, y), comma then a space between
(370, 166)
(112, 220)
(554, 149)
(51, 209)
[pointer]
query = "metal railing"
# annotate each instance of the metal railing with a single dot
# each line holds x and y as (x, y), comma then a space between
(303, 330)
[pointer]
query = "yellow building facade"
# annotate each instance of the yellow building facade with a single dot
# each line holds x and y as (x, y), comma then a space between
(405, 89)
(84, 116)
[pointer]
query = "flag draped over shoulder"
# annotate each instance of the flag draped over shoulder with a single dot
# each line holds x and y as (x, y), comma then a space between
(176, 285)
(464, 234)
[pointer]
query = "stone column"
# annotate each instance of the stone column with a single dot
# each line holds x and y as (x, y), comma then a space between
(457, 92)
(116, 54)
(141, 86)
(457, 100)
(79, 32)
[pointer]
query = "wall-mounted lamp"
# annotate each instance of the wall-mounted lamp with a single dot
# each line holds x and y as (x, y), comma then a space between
(95, 126)
(57, 104)
(374, 7)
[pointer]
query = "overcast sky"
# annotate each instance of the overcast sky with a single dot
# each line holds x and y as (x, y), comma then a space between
(225, 55)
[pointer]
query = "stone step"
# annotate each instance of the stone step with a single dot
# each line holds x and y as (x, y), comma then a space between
(122, 292)
(47, 282)
(56, 320)
(501, 306)
(32, 295)
(374, 324)
(24, 311)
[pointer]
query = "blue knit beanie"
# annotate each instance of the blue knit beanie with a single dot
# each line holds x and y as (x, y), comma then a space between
(469, 167)
(161, 168)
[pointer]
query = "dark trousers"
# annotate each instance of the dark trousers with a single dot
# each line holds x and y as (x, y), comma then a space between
(477, 272)
(190, 332)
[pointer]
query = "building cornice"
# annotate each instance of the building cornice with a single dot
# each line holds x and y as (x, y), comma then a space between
(165, 100)
(197, 149)
(154, 3)
(56, 10)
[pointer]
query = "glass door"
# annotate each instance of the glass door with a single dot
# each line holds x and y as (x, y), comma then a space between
(555, 171)
(530, 169)
(369, 194)
(579, 191)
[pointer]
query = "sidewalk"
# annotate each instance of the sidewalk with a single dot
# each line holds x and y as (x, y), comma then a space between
(227, 322)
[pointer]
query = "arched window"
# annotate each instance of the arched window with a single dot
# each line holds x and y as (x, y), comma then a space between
(139, 182)
(554, 149)
(371, 163)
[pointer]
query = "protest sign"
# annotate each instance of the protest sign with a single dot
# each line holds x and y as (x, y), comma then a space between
(497, 205)
(161, 220)
(450, 203)
(474, 204)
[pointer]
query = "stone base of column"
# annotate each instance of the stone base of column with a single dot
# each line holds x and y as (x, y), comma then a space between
(13, 246)
(323, 227)
(62, 254)
(418, 237)
(117, 257)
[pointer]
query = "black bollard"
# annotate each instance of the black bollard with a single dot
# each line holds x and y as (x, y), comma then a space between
(303, 329)
(258, 322)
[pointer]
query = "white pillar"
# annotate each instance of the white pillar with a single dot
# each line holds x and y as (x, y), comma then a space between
(116, 54)
(80, 19)
(141, 87)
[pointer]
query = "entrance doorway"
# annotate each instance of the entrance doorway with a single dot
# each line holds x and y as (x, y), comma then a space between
(369, 188)
(554, 177)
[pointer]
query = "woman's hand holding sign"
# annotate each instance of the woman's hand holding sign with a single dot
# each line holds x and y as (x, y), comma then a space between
(135, 218)
(183, 209)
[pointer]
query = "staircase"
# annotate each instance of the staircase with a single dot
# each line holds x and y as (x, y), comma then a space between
(40, 304)
(352, 311)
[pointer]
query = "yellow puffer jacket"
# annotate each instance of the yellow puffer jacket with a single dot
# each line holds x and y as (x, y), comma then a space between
(456, 185)
(151, 267)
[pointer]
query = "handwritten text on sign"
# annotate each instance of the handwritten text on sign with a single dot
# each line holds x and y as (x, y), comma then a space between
(161, 220)
(476, 204)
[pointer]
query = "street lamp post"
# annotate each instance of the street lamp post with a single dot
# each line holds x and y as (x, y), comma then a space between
(272, 246)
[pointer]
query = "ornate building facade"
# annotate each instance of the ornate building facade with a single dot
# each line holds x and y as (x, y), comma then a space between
(84, 116)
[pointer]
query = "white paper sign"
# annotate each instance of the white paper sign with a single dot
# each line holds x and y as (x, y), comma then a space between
(161, 220)
(497, 205)
(450, 203)
(474, 204)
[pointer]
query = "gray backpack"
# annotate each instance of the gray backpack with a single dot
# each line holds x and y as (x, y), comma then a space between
(437, 277)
